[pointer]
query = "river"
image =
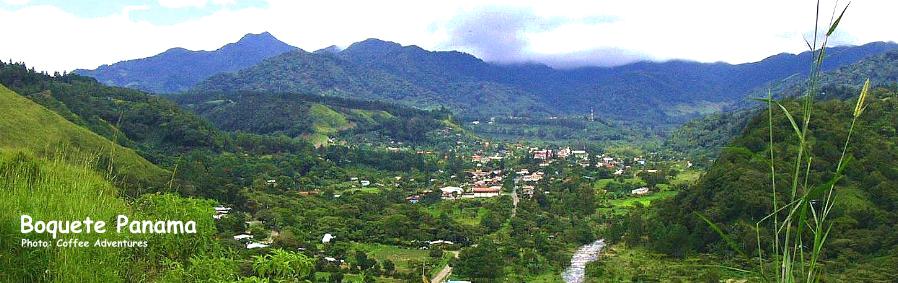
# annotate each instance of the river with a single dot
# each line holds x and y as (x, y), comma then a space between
(576, 273)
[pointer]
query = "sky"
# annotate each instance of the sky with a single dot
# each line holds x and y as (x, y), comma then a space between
(65, 35)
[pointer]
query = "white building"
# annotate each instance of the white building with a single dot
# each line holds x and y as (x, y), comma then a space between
(327, 238)
(256, 245)
(640, 191)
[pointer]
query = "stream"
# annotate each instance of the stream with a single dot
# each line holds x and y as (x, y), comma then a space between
(576, 273)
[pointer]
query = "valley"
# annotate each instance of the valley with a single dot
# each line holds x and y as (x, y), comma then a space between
(259, 161)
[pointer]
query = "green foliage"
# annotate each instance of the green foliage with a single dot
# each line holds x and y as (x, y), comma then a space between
(735, 192)
(48, 190)
(282, 265)
(311, 115)
(26, 125)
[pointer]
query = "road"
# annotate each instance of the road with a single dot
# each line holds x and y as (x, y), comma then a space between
(514, 201)
(443, 275)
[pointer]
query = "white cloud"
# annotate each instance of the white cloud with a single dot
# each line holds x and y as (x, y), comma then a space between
(705, 30)
(175, 4)
(16, 2)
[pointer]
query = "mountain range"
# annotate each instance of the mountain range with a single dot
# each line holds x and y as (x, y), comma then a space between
(673, 91)
(178, 69)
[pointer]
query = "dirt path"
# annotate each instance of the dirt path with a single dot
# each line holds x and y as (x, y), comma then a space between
(443, 275)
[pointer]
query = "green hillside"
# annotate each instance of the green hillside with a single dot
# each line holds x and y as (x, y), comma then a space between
(27, 126)
(53, 189)
(315, 118)
(735, 192)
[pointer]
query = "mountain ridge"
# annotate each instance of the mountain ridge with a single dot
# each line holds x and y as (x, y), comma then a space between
(177, 69)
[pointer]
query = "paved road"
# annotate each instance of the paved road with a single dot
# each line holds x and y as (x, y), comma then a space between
(443, 275)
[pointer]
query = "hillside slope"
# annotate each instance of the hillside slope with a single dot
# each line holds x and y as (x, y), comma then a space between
(27, 126)
(735, 192)
(702, 138)
(313, 117)
(178, 69)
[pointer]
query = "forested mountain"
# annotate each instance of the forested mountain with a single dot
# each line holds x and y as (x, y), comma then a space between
(331, 75)
(703, 137)
(735, 193)
(313, 117)
(177, 69)
(645, 91)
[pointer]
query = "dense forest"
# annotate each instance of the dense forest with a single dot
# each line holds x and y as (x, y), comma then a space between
(735, 191)
(302, 115)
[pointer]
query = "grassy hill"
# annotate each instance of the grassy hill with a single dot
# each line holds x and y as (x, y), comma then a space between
(28, 126)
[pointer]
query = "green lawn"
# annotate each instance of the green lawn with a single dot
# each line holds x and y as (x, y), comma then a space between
(687, 177)
(600, 184)
(465, 211)
(644, 200)
(401, 257)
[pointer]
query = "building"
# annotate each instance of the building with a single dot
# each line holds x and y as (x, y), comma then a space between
(640, 191)
(489, 192)
(563, 153)
(451, 192)
(327, 238)
(256, 245)
(242, 237)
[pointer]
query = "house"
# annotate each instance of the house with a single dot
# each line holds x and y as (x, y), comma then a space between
(640, 191)
(451, 192)
(413, 199)
(365, 183)
(220, 211)
(482, 192)
(256, 245)
(440, 242)
(242, 237)
(271, 182)
(542, 154)
(528, 190)
(327, 238)
(563, 153)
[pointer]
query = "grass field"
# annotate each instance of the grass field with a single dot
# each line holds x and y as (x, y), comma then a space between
(401, 257)
(644, 200)
(465, 211)
(635, 264)
(51, 190)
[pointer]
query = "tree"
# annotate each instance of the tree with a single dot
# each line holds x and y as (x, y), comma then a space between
(388, 266)
(480, 262)
(436, 252)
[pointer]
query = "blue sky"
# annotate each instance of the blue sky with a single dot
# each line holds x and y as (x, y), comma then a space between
(64, 35)
(152, 11)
